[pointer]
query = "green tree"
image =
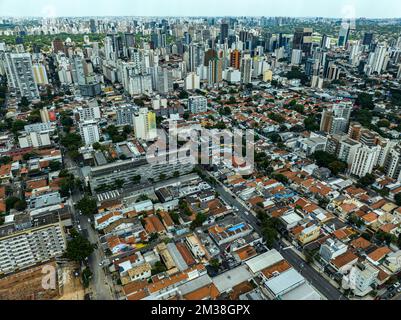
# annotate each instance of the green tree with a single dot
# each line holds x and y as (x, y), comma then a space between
(10, 202)
(20, 205)
(54, 165)
(87, 205)
(365, 101)
(78, 248)
(397, 199)
(198, 222)
(86, 277)
(366, 181)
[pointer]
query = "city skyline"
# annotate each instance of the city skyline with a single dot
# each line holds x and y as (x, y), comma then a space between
(295, 8)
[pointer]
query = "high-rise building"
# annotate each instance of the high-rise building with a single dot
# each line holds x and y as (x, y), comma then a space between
(20, 75)
(164, 80)
(296, 57)
(392, 166)
(91, 112)
(354, 131)
(378, 60)
(30, 247)
(78, 72)
(223, 32)
(92, 25)
(89, 131)
(145, 125)
(40, 74)
(246, 69)
(326, 42)
(215, 71)
(364, 160)
(44, 115)
(344, 34)
(367, 39)
(235, 59)
(58, 45)
(125, 115)
(303, 40)
(336, 119)
(197, 104)
(192, 81)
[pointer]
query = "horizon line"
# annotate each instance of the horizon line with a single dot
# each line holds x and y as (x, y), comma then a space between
(195, 16)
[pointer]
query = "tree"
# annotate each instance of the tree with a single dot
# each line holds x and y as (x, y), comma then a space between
(198, 222)
(299, 108)
(162, 177)
(365, 181)
(54, 165)
(127, 130)
(20, 205)
(18, 125)
(186, 115)
(159, 268)
(384, 123)
(72, 141)
(280, 178)
(87, 205)
(5, 160)
(269, 235)
(136, 179)
(365, 101)
(24, 102)
(311, 124)
(337, 167)
(175, 217)
(86, 277)
(10, 202)
(78, 248)
(215, 263)
(176, 174)
(397, 199)
(275, 138)
(119, 183)
(183, 95)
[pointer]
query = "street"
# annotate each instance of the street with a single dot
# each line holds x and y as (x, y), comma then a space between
(313, 277)
(101, 285)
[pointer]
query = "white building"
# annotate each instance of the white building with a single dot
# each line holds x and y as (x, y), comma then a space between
(197, 104)
(296, 57)
(20, 75)
(365, 160)
(89, 131)
(39, 73)
(34, 139)
(30, 247)
(145, 125)
(192, 81)
(92, 112)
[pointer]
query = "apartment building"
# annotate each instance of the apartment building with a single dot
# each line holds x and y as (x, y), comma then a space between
(30, 247)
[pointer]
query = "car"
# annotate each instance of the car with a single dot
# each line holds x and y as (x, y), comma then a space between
(89, 220)
(101, 264)
(399, 290)
(79, 227)
(397, 285)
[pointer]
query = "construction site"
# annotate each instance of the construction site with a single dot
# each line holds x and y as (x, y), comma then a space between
(32, 284)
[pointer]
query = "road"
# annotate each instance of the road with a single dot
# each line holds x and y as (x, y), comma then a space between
(101, 283)
(310, 274)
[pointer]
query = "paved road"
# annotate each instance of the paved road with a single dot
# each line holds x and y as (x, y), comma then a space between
(101, 283)
(313, 277)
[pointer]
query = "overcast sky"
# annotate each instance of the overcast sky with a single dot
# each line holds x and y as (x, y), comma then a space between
(298, 8)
